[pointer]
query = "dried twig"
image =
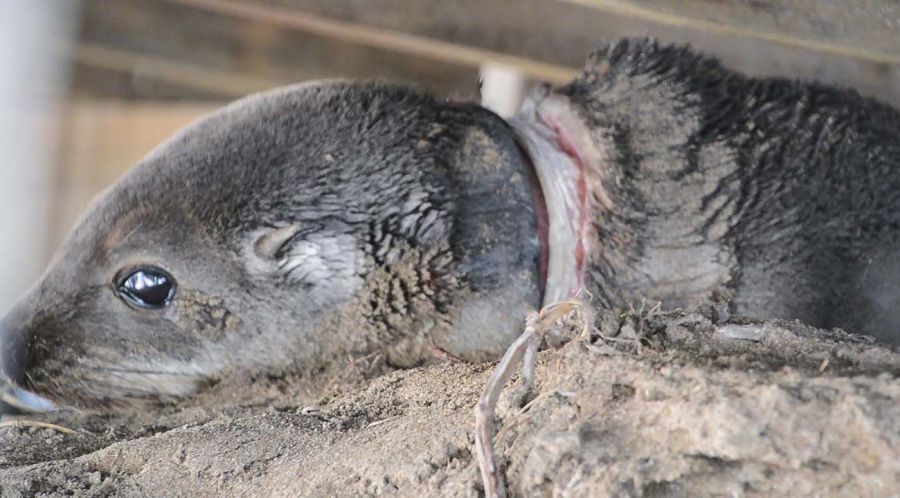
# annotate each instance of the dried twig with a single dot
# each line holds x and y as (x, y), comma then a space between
(383, 421)
(34, 423)
(444, 355)
(523, 348)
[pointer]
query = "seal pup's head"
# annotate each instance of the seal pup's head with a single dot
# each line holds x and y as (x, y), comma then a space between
(281, 232)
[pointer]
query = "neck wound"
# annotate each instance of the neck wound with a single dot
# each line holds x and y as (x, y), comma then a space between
(549, 141)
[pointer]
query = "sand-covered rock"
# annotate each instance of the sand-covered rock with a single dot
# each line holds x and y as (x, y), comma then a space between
(663, 405)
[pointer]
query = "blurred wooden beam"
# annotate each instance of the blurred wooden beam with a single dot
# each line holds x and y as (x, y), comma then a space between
(388, 39)
(440, 44)
(867, 32)
(172, 46)
(841, 43)
(218, 83)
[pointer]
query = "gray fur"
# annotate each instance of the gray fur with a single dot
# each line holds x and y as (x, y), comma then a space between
(782, 196)
(334, 218)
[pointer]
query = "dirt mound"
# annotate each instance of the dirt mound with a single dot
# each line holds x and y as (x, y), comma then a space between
(668, 405)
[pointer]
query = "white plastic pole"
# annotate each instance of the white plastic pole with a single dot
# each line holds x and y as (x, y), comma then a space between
(34, 36)
(502, 88)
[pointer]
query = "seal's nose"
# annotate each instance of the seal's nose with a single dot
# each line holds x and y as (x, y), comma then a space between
(13, 354)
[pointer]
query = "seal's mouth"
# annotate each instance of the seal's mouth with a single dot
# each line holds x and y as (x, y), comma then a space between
(103, 382)
(545, 132)
(128, 383)
(15, 399)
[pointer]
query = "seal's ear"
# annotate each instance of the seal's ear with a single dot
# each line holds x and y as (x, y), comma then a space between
(304, 253)
(271, 244)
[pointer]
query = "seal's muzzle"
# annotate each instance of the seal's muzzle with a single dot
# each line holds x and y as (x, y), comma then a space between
(14, 362)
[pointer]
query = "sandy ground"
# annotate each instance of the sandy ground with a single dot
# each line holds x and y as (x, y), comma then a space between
(665, 405)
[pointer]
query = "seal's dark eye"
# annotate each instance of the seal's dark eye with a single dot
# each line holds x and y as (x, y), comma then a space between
(147, 288)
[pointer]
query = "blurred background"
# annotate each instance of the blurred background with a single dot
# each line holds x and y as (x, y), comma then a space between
(87, 88)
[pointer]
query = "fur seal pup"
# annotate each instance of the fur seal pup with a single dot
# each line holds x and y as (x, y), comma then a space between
(333, 217)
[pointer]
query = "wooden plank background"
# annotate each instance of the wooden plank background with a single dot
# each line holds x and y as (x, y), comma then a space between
(229, 47)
